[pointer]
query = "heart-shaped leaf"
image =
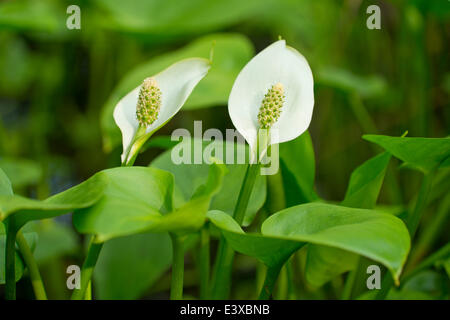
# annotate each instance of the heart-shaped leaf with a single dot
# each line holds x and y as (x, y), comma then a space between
(190, 176)
(323, 263)
(375, 235)
(378, 236)
(423, 154)
(23, 209)
(139, 199)
(272, 251)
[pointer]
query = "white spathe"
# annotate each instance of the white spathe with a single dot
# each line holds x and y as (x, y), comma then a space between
(176, 84)
(277, 63)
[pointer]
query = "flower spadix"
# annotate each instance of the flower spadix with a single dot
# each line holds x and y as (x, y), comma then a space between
(155, 101)
(274, 91)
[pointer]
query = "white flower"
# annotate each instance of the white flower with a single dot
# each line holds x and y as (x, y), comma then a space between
(273, 91)
(155, 102)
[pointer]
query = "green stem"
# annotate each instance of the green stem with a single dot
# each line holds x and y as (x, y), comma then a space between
(224, 261)
(140, 137)
(36, 280)
(281, 292)
(350, 283)
(275, 192)
(269, 282)
(430, 232)
(204, 262)
(421, 202)
(10, 264)
(361, 114)
(245, 193)
(368, 126)
(412, 223)
(290, 279)
(176, 286)
(88, 269)
(428, 262)
(88, 295)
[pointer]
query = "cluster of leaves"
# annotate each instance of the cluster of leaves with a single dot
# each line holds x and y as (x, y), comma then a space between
(180, 198)
(44, 74)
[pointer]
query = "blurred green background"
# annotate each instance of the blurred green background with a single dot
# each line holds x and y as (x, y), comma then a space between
(58, 88)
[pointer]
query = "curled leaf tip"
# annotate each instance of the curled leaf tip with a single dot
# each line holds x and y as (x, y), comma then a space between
(149, 102)
(271, 105)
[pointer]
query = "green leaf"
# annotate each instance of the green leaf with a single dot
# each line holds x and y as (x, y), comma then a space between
(129, 265)
(145, 257)
(19, 264)
(423, 154)
(172, 18)
(366, 181)
(22, 172)
(190, 176)
(55, 240)
(366, 86)
(24, 209)
(375, 235)
(28, 15)
(324, 263)
(5, 185)
(425, 285)
(231, 53)
(378, 236)
(429, 282)
(139, 199)
(269, 250)
(298, 169)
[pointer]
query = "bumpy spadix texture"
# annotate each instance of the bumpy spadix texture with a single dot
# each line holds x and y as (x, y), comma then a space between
(277, 64)
(149, 102)
(271, 106)
(174, 85)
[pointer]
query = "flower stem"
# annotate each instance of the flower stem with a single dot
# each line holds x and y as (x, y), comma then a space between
(36, 280)
(224, 261)
(10, 264)
(245, 193)
(204, 262)
(88, 269)
(176, 287)
(269, 282)
(275, 192)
